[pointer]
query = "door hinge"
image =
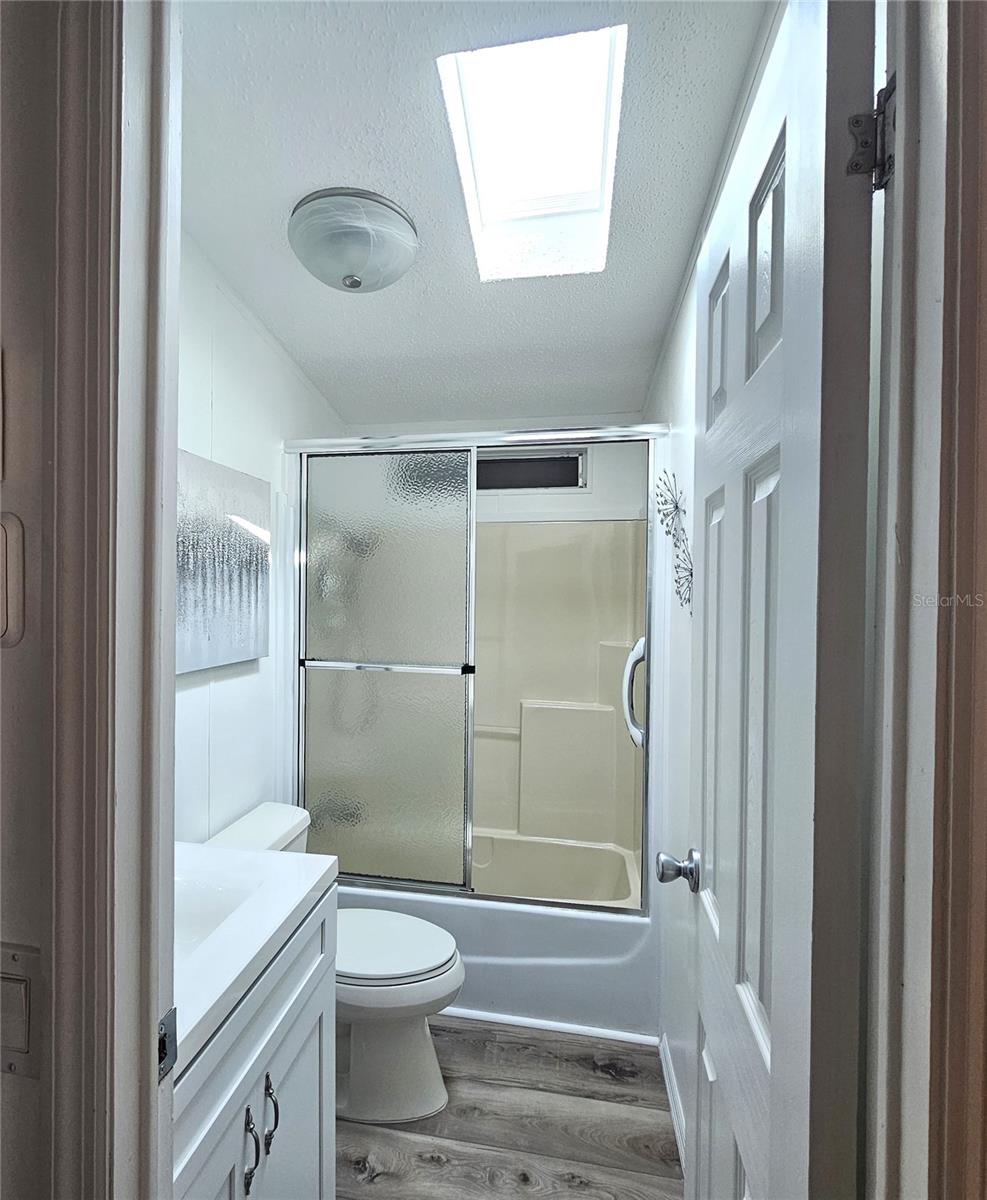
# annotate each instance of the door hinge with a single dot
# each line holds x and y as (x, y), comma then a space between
(873, 139)
(167, 1042)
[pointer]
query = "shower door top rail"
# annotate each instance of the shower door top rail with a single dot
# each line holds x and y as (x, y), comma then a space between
(442, 441)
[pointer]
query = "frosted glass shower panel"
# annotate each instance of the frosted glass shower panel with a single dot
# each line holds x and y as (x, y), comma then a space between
(387, 558)
(384, 771)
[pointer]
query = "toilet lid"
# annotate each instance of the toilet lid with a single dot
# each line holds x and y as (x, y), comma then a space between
(377, 947)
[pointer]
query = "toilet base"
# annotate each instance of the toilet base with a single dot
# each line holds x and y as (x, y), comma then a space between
(387, 1072)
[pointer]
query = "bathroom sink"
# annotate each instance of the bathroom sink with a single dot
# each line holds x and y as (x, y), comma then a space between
(234, 909)
(201, 905)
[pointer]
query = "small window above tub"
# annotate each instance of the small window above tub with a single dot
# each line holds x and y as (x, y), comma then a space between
(531, 472)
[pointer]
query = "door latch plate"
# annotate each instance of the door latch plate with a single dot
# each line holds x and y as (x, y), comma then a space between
(167, 1043)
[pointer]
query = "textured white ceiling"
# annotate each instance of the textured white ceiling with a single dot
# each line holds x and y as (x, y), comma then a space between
(284, 98)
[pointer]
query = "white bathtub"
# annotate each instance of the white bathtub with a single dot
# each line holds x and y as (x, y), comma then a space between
(513, 865)
(580, 969)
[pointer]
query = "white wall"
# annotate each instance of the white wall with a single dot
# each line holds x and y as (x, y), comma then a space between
(240, 397)
(673, 400)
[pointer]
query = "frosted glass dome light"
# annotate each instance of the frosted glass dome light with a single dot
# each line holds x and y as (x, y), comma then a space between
(352, 240)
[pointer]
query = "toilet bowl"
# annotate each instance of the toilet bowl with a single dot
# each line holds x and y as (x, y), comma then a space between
(392, 972)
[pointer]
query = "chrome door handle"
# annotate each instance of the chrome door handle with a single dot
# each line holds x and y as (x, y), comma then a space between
(688, 868)
(634, 660)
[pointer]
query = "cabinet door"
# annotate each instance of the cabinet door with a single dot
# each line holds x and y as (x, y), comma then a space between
(301, 1164)
(221, 1176)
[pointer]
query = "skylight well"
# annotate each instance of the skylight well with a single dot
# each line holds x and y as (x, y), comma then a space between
(535, 130)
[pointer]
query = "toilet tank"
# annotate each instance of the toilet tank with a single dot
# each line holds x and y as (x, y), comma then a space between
(269, 826)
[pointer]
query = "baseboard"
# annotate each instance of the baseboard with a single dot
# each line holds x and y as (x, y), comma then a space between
(610, 1035)
(674, 1099)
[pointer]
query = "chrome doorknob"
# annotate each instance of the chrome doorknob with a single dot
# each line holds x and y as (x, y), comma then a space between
(688, 868)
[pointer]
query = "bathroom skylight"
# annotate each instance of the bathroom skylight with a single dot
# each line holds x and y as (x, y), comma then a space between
(535, 130)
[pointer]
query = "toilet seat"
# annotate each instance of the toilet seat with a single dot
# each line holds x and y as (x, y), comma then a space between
(377, 948)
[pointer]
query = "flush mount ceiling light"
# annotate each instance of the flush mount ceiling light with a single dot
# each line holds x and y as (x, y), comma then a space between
(352, 240)
(535, 126)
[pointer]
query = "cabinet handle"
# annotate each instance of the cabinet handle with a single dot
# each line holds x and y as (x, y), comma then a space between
(269, 1092)
(250, 1172)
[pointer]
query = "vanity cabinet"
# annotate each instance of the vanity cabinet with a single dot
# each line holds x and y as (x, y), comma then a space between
(273, 1056)
(221, 1175)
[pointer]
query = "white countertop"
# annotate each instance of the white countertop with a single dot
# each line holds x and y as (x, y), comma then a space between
(234, 909)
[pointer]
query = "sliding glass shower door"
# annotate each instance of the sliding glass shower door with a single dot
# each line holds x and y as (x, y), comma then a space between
(386, 670)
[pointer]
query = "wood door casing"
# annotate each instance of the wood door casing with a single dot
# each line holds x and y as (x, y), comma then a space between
(958, 1091)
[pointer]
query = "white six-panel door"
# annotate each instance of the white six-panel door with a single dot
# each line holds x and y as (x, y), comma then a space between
(735, 663)
(761, 441)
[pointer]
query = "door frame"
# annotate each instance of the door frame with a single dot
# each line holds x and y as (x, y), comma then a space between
(926, 206)
(112, 862)
(958, 1059)
(110, 594)
(842, 791)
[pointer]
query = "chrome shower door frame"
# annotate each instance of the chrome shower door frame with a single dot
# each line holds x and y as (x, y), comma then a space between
(473, 443)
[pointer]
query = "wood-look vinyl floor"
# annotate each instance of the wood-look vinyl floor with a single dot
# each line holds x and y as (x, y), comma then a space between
(531, 1113)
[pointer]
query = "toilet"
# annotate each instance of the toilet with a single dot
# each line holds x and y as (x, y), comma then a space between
(392, 973)
(269, 826)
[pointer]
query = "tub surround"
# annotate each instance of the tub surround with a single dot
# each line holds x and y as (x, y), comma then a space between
(559, 604)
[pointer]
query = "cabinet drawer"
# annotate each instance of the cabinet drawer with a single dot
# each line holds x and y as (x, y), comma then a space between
(220, 1077)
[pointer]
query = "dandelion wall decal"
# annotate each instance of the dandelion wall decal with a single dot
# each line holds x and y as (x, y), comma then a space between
(683, 575)
(671, 517)
(671, 507)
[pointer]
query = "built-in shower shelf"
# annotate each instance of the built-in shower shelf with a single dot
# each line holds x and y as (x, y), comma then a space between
(568, 770)
(498, 731)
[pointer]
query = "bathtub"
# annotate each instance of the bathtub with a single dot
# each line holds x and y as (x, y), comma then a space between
(516, 866)
(584, 970)
(587, 970)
